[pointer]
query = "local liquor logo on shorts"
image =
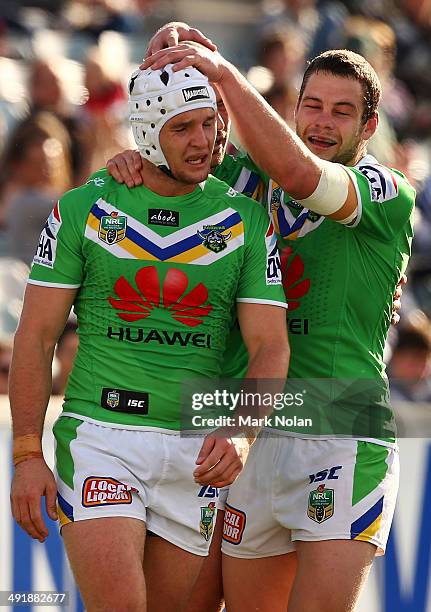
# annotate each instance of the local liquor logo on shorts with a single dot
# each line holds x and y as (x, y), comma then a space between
(321, 504)
(112, 228)
(105, 491)
(206, 524)
(233, 524)
(213, 239)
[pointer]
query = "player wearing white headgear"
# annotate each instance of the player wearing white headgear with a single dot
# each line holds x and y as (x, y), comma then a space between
(156, 96)
(155, 275)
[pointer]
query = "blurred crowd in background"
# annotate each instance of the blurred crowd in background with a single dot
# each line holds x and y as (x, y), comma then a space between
(64, 66)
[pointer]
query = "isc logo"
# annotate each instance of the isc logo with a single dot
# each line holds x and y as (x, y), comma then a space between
(329, 474)
(137, 403)
(207, 491)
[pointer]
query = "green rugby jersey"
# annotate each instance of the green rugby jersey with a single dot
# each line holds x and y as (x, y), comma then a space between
(158, 279)
(339, 283)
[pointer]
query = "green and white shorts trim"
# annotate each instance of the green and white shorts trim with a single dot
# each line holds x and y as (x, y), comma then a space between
(294, 489)
(104, 472)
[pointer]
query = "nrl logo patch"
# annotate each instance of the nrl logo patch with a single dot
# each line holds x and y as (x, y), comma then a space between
(113, 399)
(320, 504)
(112, 228)
(213, 239)
(206, 524)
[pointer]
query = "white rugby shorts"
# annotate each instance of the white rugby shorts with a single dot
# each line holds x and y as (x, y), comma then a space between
(295, 489)
(104, 472)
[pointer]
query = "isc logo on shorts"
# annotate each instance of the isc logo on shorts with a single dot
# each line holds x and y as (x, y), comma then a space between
(105, 491)
(234, 524)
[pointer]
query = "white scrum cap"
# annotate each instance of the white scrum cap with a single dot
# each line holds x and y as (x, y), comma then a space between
(155, 96)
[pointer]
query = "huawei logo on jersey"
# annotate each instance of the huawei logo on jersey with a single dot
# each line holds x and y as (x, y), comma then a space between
(187, 308)
(292, 270)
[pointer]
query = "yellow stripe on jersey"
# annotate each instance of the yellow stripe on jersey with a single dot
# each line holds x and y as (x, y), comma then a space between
(188, 256)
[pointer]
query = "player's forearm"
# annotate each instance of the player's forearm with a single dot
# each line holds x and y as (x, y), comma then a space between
(30, 384)
(266, 376)
(274, 147)
(269, 363)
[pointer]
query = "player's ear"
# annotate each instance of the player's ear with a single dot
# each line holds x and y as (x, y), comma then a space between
(371, 126)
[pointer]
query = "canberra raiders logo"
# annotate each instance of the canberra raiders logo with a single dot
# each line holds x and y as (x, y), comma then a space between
(112, 228)
(213, 239)
(277, 196)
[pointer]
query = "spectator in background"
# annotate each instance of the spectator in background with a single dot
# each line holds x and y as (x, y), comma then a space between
(104, 93)
(410, 366)
(282, 51)
(105, 110)
(318, 23)
(363, 36)
(34, 167)
(281, 55)
(45, 88)
(13, 279)
(412, 26)
(376, 41)
(420, 269)
(46, 95)
(283, 98)
(96, 16)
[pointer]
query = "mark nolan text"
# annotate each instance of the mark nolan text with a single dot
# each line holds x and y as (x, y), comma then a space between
(249, 421)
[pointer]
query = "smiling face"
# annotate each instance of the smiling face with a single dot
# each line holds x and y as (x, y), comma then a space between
(187, 142)
(329, 118)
